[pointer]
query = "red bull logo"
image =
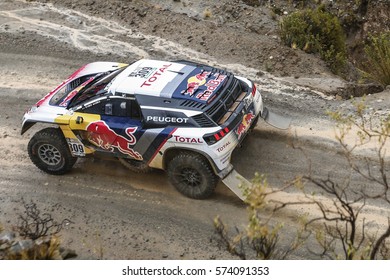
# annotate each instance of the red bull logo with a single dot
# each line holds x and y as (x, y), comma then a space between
(246, 122)
(194, 82)
(101, 135)
(211, 85)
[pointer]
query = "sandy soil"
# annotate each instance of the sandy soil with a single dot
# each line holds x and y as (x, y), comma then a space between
(121, 215)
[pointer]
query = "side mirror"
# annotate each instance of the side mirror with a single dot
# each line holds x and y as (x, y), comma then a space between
(79, 120)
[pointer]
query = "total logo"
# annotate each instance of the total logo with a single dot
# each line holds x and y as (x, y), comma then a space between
(192, 140)
(155, 75)
(223, 147)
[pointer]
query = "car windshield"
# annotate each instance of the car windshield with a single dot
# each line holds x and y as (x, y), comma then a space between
(65, 93)
(96, 88)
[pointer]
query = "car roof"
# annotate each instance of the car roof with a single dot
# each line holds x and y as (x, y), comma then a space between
(156, 78)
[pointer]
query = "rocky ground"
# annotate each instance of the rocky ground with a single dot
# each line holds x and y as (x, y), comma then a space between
(120, 215)
(246, 32)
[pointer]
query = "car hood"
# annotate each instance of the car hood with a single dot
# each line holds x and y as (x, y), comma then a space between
(169, 80)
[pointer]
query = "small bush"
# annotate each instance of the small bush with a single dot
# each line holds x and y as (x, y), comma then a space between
(316, 31)
(33, 224)
(262, 237)
(207, 13)
(34, 238)
(253, 3)
(378, 54)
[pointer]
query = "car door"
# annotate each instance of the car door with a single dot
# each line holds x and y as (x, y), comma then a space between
(107, 125)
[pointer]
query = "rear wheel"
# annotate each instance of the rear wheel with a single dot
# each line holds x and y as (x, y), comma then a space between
(192, 175)
(49, 151)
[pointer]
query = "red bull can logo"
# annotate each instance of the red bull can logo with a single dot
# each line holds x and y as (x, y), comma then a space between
(101, 135)
(246, 122)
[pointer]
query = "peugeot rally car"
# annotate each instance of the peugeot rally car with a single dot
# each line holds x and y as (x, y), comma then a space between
(182, 117)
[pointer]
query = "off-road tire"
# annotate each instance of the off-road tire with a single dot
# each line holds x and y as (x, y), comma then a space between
(192, 175)
(49, 151)
(134, 165)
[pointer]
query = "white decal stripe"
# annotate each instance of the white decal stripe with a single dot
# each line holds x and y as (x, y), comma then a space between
(188, 113)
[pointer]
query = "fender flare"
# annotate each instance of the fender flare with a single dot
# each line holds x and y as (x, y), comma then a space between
(169, 153)
(26, 126)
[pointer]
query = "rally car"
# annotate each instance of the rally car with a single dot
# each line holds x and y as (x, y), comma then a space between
(182, 117)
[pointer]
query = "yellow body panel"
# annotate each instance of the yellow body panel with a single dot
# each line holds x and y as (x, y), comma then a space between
(76, 121)
(85, 120)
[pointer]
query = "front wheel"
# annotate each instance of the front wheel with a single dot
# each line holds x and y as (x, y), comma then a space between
(49, 151)
(192, 175)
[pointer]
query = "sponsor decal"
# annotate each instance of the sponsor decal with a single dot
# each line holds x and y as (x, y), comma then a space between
(188, 139)
(194, 82)
(211, 85)
(166, 119)
(223, 147)
(225, 159)
(246, 121)
(91, 104)
(104, 137)
(142, 72)
(155, 76)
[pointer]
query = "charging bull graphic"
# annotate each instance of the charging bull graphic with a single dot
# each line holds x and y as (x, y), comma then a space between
(246, 121)
(194, 82)
(101, 135)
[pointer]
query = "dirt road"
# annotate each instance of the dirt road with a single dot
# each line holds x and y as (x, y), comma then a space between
(117, 214)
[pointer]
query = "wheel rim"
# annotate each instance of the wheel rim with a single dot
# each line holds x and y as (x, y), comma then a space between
(49, 154)
(190, 177)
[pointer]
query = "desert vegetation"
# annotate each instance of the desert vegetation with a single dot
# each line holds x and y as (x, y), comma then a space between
(35, 237)
(377, 50)
(316, 31)
(342, 230)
